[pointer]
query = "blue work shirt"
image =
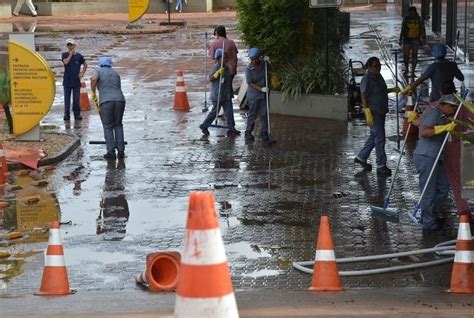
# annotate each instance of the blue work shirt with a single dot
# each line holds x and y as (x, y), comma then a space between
(376, 89)
(72, 69)
(255, 74)
(439, 72)
(109, 85)
(430, 146)
(225, 84)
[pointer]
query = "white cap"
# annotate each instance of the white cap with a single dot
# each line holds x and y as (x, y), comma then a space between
(70, 41)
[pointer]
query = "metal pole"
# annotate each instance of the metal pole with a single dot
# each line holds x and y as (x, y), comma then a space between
(169, 11)
(396, 101)
(327, 48)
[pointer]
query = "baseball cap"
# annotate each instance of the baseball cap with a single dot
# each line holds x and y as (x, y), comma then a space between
(439, 50)
(71, 41)
(254, 52)
(448, 99)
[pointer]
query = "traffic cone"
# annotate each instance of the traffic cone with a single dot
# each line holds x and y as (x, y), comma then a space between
(55, 280)
(162, 271)
(325, 272)
(3, 160)
(84, 101)
(413, 129)
(462, 276)
(204, 287)
(180, 98)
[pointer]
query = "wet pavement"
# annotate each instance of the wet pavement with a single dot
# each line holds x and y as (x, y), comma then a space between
(269, 199)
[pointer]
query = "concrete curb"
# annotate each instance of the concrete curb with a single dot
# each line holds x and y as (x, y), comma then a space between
(67, 150)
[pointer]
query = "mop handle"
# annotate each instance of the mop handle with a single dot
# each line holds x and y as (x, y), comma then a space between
(437, 158)
(396, 100)
(266, 96)
(401, 151)
(205, 69)
(220, 82)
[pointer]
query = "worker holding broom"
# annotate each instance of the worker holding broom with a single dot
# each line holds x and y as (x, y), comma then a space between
(435, 124)
(221, 95)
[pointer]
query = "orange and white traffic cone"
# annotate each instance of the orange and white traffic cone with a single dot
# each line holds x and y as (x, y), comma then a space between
(462, 276)
(325, 272)
(3, 160)
(204, 288)
(55, 280)
(84, 101)
(162, 271)
(180, 98)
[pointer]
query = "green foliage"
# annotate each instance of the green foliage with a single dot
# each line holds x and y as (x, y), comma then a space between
(307, 75)
(293, 35)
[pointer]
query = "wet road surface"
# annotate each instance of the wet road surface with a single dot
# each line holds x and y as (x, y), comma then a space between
(269, 199)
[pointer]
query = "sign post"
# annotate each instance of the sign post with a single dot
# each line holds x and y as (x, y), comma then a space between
(325, 4)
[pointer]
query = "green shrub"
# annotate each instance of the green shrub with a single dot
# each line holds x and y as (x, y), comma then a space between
(292, 34)
(307, 75)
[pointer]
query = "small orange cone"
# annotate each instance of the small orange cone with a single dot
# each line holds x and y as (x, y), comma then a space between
(413, 129)
(55, 280)
(462, 276)
(180, 97)
(84, 101)
(162, 271)
(325, 272)
(3, 160)
(204, 287)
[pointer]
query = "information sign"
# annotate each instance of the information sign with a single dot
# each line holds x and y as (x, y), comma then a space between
(136, 9)
(32, 87)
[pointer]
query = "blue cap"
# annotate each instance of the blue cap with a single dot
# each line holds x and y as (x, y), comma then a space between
(218, 53)
(105, 61)
(254, 52)
(439, 50)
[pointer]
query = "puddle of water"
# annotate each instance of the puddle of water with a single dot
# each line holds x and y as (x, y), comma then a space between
(249, 251)
(262, 273)
(77, 255)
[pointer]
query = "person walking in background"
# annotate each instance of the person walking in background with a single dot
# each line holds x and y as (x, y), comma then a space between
(412, 36)
(112, 106)
(375, 102)
(230, 49)
(75, 67)
(435, 124)
(179, 6)
(29, 4)
(256, 94)
(439, 72)
(219, 77)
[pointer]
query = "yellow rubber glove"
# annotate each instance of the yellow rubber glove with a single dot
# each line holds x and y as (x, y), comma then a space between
(411, 116)
(444, 128)
(406, 90)
(368, 116)
(395, 89)
(218, 73)
(96, 101)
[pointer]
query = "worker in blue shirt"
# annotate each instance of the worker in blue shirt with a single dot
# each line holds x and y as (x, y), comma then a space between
(75, 67)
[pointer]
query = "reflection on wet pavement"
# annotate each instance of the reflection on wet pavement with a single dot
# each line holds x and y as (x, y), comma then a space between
(269, 199)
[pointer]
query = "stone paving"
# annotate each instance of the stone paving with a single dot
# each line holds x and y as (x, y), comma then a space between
(269, 199)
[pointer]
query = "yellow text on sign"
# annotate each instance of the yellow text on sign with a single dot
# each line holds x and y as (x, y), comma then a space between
(32, 87)
(136, 9)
